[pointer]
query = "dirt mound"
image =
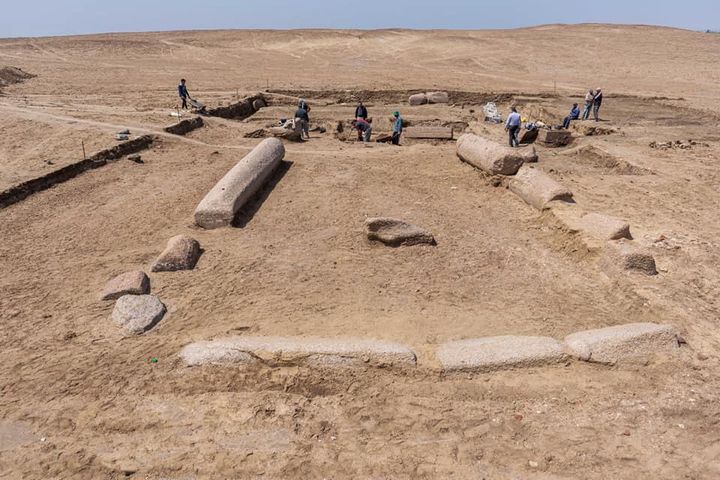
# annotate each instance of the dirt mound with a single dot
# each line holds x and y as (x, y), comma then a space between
(13, 75)
(677, 145)
(598, 158)
(592, 130)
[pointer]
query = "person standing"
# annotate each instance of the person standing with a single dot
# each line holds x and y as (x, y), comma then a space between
(397, 128)
(597, 103)
(303, 118)
(574, 115)
(589, 98)
(183, 92)
(361, 111)
(303, 104)
(512, 125)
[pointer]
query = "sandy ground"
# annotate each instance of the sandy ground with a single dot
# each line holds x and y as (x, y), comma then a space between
(79, 400)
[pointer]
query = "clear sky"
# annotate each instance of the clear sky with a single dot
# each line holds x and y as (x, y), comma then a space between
(63, 17)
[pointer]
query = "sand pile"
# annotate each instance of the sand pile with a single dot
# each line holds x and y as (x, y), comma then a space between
(13, 75)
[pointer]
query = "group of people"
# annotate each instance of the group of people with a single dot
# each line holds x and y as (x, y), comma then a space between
(361, 123)
(593, 102)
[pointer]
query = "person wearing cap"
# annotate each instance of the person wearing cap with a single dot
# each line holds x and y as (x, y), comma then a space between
(512, 125)
(397, 128)
(361, 111)
(589, 97)
(574, 115)
(597, 102)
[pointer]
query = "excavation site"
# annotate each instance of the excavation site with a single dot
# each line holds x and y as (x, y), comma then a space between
(384, 289)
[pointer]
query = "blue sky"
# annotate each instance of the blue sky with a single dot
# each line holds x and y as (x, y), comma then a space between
(63, 17)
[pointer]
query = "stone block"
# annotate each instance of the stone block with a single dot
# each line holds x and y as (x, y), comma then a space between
(394, 232)
(182, 253)
(499, 353)
(626, 256)
(128, 283)
(438, 97)
(310, 351)
(554, 138)
(138, 313)
(418, 99)
(631, 343)
(440, 133)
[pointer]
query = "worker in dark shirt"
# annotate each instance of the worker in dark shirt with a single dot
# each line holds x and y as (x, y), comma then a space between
(183, 92)
(364, 129)
(361, 111)
(574, 115)
(597, 103)
(303, 118)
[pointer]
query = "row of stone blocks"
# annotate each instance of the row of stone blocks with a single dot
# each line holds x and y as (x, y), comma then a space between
(539, 190)
(630, 343)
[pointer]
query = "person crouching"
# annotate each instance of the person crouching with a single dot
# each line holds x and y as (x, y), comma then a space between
(363, 128)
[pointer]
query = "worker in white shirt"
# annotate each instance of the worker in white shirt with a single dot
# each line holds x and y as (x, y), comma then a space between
(512, 125)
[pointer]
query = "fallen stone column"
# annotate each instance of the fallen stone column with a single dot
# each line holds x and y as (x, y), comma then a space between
(536, 188)
(492, 157)
(297, 350)
(630, 343)
(499, 353)
(220, 205)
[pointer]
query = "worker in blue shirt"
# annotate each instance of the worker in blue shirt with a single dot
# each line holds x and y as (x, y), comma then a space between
(397, 128)
(512, 125)
(574, 115)
(183, 92)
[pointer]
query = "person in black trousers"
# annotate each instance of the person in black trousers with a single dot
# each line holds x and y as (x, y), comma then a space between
(361, 111)
(183, 92)
(597, 103)
(512, 125)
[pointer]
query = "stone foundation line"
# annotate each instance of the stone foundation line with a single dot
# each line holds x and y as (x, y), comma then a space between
(623, 344)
